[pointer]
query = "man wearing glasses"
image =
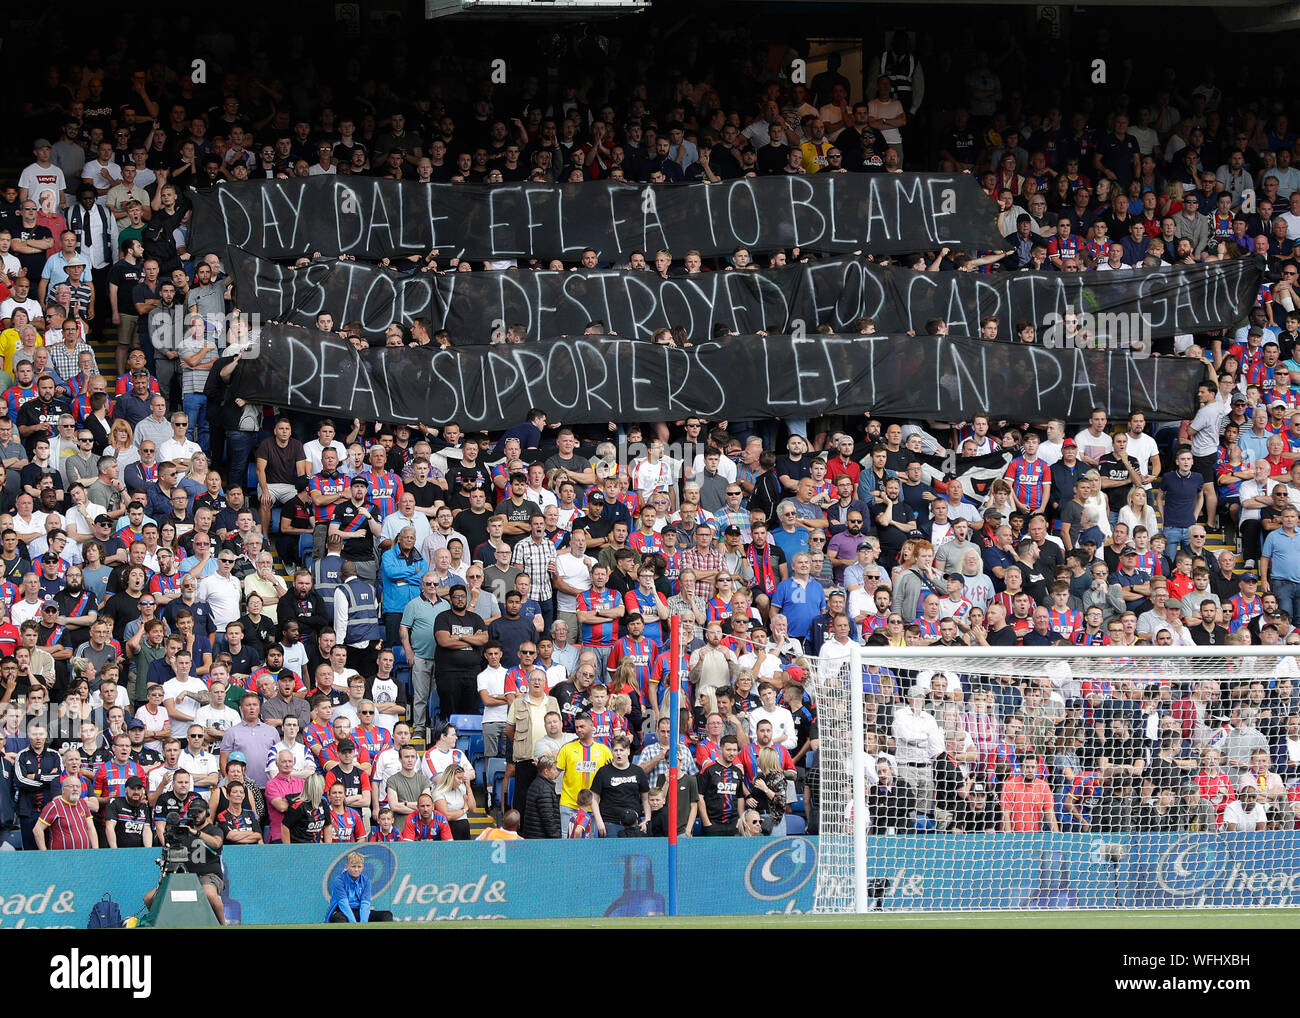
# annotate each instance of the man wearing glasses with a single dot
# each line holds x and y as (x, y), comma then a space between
(143, 473)
(82, 465)
(178, 449)
(419, 642)
(30, 242)
(62, 445)
(202, 765)
(732, 513)
(221, 590)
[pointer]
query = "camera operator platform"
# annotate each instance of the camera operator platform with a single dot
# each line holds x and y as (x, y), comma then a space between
(191, 871)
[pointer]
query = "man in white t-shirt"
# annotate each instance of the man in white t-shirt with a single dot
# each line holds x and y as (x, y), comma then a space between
(536, 490)
(186, 693)
(835, 114)
(21, 297)
(10, 263)
(1290, 217)
(216, 717)
(496, 705)
(783, 730)
(1246, 813)
(42, 175)
(1142, 448)
(1094, 441)
(326, 432)
(203, 765)
(160, 777)
(222, 591)
(886, 115)
(1049, 450)
(765, 667)
(726, 468)
(178, 449)
(572, 577)
(389, 762)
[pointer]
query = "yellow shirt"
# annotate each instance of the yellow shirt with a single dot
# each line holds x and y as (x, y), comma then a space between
(814, 155)
(579, 765)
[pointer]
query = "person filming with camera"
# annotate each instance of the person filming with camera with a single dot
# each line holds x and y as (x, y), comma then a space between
(193, 845)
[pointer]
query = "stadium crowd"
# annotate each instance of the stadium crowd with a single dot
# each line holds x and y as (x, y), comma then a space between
(283, 619)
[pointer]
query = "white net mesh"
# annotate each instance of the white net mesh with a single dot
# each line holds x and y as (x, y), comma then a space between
(1128, 780)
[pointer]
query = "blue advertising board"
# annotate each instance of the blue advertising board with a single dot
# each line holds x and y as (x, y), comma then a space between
(735, 876)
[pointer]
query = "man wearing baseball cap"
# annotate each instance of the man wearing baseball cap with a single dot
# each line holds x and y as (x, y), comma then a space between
(1135, 583)
(1246, 813)
(126, 819)
(42, 174)
(1245, 605)
(1065, 471)
(357, 526)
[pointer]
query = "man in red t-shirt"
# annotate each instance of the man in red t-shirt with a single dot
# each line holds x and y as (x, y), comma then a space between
(65, 821)
(1027, 805)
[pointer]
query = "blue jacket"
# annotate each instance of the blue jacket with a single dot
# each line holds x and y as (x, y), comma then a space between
(352, 895)
(401, 578)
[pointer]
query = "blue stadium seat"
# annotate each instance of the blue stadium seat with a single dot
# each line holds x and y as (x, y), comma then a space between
(471, 745)
(467, 723)
(493, 774)
(795, 824)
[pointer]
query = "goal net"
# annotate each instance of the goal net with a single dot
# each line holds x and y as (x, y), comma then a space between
(1062, 777)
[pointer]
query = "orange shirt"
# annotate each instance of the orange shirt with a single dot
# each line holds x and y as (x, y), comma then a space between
(1025, 804)
(499, 834)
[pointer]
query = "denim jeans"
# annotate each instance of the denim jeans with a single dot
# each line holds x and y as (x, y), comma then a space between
(1176, 538)
(239, 450)
(195, 405)
(602, 659)
(1288, 595)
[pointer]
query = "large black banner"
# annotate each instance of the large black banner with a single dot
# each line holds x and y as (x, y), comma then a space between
(374, 219)
(835, 292)
(592, 379)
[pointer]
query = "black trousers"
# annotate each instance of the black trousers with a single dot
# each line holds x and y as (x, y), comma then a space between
(376, 916)
(457, 692)
(362, 659)
(1252, 539)
(525, 773)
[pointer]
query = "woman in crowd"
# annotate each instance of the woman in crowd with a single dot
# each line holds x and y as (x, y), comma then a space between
(454, 799)
(1137, 513)
(121, 445)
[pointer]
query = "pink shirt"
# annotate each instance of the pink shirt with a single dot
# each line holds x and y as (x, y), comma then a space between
(280, 788)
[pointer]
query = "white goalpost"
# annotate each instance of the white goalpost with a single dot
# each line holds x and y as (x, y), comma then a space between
(1151, 847)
